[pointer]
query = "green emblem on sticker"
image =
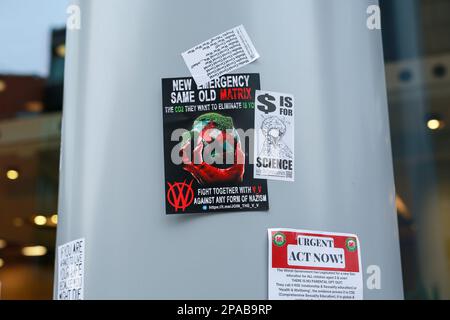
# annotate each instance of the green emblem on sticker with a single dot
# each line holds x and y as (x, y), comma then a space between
(351, 245)
(279, 239)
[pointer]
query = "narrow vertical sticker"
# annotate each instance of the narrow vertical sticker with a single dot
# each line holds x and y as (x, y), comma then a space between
(71, 270)
(274, 136)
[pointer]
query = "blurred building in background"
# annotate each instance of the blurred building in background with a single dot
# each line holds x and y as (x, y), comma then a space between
(417, 51)
(30, 131)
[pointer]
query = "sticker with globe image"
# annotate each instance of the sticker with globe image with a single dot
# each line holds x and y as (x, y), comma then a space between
(207, 147)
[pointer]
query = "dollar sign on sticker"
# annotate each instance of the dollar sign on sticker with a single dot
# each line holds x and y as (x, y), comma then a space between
(268, 106)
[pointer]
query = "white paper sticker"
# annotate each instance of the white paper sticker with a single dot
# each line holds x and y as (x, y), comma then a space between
(220, 55)
(314, 265)
(274, 136)
(71, 270)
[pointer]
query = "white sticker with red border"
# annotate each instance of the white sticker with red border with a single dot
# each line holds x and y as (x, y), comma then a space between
(314, 265)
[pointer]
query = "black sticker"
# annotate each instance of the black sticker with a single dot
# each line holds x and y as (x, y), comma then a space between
(208, 145)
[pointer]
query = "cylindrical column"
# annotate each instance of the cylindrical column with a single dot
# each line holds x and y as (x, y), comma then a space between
(112, 181)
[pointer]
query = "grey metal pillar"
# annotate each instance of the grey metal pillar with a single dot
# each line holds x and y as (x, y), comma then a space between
(112, 183)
